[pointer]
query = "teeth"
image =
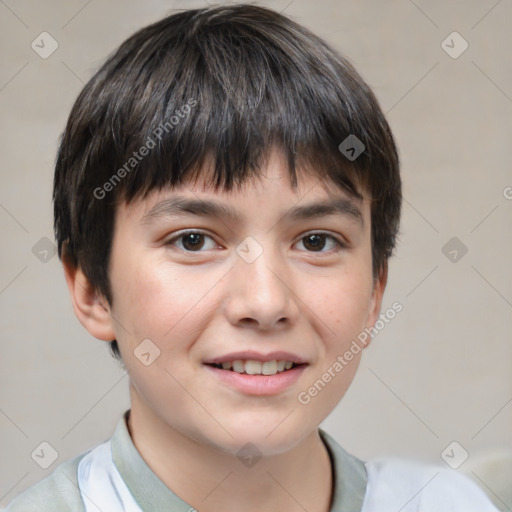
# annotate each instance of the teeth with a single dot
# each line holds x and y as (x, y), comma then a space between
(238, 366)
(269, 368)
(251, 367)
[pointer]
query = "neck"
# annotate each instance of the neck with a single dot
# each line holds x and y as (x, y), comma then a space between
(211, 480)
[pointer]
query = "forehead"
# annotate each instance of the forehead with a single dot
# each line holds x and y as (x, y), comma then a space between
(271, 189)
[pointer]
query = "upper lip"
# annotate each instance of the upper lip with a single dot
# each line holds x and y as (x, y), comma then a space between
(257, 356)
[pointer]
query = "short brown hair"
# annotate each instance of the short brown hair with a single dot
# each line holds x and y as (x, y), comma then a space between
(225, 84)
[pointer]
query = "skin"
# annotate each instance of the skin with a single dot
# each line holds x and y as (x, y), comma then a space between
(186, 423)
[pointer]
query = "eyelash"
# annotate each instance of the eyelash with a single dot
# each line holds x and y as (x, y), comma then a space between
(338, 243)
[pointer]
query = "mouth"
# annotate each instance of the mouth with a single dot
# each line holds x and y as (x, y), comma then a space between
(253, 373)
(254, 367)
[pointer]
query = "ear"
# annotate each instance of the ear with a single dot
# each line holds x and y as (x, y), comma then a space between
(379, 286)
(91, 308)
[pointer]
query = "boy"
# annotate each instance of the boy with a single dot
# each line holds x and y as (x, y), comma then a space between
(227, 195)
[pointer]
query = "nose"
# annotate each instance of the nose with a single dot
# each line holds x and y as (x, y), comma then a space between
(261, 295)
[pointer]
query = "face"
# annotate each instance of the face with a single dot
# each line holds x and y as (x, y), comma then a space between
(213, 303)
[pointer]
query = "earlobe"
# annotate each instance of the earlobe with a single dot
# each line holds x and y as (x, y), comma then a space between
(91, 308)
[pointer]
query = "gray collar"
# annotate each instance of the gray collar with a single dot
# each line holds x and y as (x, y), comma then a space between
(349, 476)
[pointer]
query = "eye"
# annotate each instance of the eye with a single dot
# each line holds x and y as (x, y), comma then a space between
(192, 241)
(315, 242)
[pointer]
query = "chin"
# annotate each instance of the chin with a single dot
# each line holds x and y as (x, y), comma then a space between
(267, 436)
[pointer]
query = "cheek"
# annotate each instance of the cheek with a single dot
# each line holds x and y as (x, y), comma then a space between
(160, 302)
(342, 305)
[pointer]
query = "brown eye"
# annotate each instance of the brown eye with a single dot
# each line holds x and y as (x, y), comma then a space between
(191, 241)
(316, 242)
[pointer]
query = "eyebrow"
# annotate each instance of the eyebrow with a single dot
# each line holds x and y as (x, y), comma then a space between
(180, 206)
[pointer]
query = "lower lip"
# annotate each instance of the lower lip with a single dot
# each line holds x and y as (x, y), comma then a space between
(259, 384)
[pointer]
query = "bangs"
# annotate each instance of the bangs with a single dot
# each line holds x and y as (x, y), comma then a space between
(226, 94)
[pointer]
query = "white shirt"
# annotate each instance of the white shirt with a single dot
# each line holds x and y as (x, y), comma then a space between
(113, 477)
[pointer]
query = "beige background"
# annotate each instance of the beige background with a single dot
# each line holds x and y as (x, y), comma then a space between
(439, 372)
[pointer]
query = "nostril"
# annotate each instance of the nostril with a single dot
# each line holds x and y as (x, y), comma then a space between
(250, 321)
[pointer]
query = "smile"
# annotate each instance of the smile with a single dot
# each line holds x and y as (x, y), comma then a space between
(260, 378)
(253, 367)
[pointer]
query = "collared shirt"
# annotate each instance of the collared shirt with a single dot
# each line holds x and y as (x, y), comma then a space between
(113, 477)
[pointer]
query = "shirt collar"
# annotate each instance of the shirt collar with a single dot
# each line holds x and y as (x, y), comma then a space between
(349, 475)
